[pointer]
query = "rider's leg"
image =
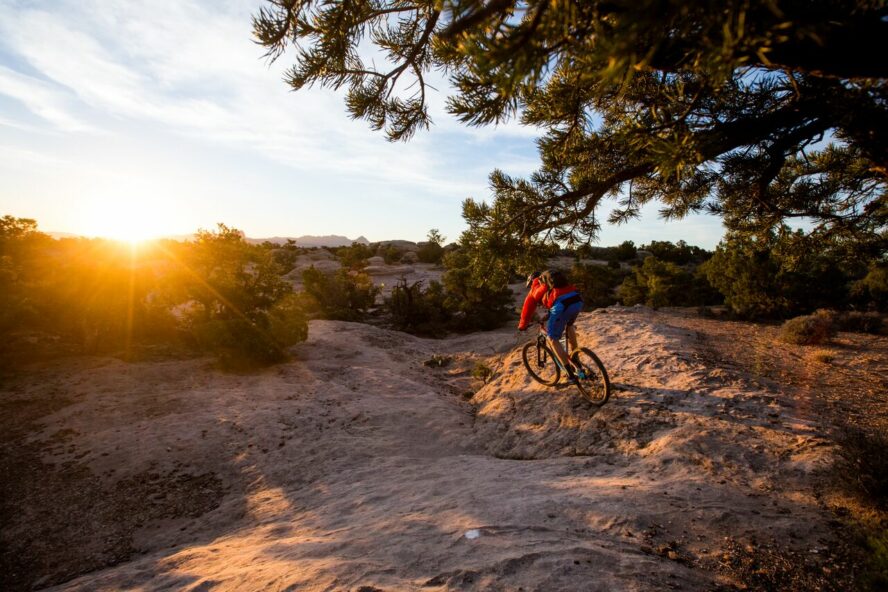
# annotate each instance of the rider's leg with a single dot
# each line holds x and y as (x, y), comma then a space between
(555, 326)
(572, 337)
(556, 346)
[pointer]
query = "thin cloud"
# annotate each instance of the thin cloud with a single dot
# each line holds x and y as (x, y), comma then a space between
(44, 100)
(192, 68)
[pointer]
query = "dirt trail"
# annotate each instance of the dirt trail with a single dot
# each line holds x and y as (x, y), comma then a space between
(356, 467)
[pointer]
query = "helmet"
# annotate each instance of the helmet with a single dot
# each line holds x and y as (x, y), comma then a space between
(553, 278)
(530, 278)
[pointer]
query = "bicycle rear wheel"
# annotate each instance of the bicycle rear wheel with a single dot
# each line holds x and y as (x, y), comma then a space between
(540, 362)
(592, 380)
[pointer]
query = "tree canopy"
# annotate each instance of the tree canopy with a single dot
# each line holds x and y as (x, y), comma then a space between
(754, 110)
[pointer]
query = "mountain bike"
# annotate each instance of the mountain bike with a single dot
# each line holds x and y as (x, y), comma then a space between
(543, 366)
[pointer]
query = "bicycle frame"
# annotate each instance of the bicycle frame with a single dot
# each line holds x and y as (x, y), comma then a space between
(542, 337)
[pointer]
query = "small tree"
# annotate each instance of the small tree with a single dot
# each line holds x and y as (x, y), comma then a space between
(433, 250)
(343, 295)
(872, 289)
(246, 312)
(391, 254)
(659, 283)
(476, 303)
(417, 310)
(23, 253)
(625, 251)
(783, 273)
(597, 284)
(354, 257)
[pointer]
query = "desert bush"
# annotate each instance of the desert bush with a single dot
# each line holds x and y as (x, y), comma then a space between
(285, 257)
(786, 273)
(243, 343)
(417, 310)
(238, 343)
(679, 253)
(343, 296)
(354, 257)
(862, 462)
(624, 251)
(809, 329)
(246, 313)
(390, 254)
(228, 277)
(432, 251)
(659, 283)
(597, 284)
(482, 371)
(860, 322)
(217, 292)
(824, 356)
(875, 571)
(475, 302)
(872, 289)
(24, 254)
(287, 321)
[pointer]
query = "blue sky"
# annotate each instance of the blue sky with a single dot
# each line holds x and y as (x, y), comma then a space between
(124, 118)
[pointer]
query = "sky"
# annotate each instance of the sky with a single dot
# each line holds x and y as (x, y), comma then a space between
(137, 119)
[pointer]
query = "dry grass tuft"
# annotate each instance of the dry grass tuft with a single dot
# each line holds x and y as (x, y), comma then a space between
(813, 329)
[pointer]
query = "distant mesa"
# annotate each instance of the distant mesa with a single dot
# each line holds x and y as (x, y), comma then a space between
(331, 240)
(307, 241)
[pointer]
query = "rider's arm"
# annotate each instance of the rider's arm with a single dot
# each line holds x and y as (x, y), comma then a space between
(530, 303)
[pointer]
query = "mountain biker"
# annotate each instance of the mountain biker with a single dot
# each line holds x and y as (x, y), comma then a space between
(551, 289)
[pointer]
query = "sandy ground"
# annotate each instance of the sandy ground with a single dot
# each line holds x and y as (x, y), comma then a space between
(357, 467)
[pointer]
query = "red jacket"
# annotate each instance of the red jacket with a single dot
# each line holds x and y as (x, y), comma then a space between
(539, 294)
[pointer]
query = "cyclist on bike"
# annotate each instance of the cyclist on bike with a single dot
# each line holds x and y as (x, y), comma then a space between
(551, 289)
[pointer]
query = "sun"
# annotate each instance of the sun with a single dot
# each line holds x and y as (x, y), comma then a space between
(128, 221)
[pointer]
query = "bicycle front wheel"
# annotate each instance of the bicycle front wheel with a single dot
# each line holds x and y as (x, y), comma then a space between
(592, 380)
(540, 362)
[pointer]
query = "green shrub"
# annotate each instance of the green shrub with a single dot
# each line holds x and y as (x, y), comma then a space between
(475, 302)
(243, 343)
(343, 296)
(391, 254)
(482, 371)
(659, 283)
(417, 310)
(238, 343)
(354, 257)
(431, 251)
(680, 253)
(872, 289)
(285, 257)
(809, 329)
(784, 273)
(862, 462)
(624, 251)
(287, 321)
(597, 284)
(861, 322)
